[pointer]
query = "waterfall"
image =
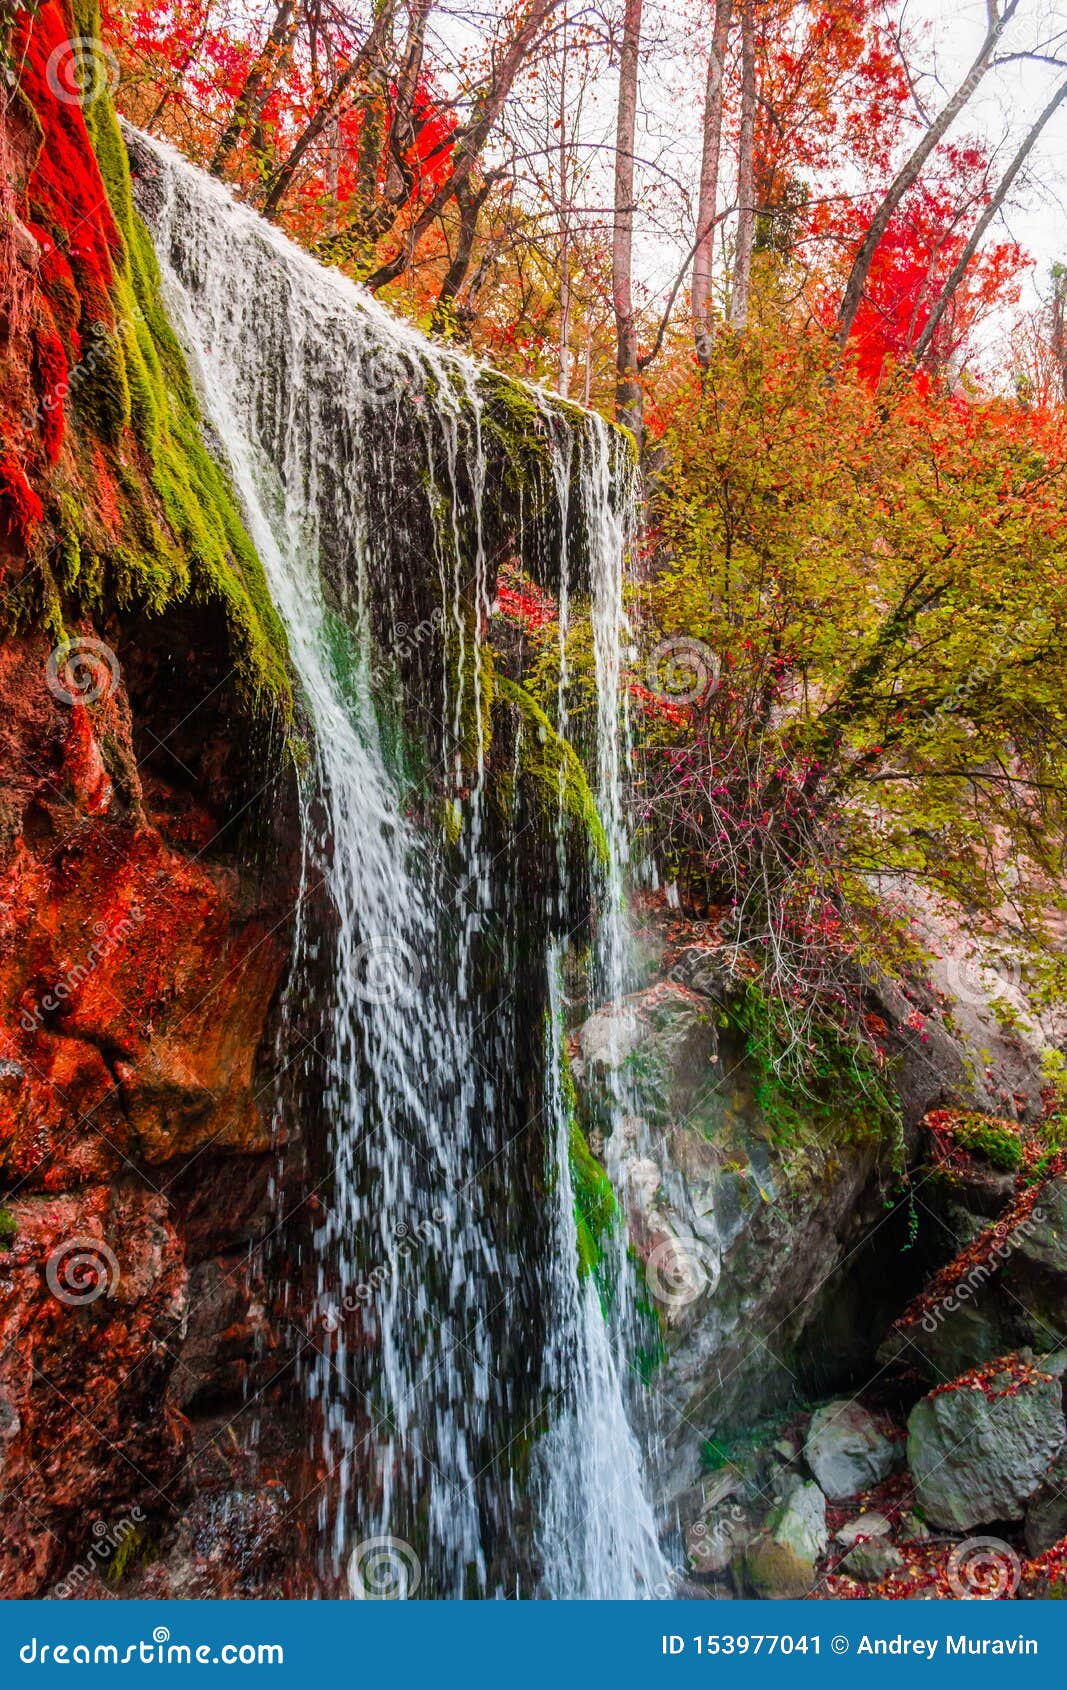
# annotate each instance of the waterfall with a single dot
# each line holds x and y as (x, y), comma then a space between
(468, 1392)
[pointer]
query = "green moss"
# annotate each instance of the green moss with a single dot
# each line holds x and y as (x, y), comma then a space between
(596, 1211)
(996, 1142)
(513, 427)
(714, 1455)
(553, 767)
(9, 1229)
(831, 1091)
(182, 535)
(135, 1548)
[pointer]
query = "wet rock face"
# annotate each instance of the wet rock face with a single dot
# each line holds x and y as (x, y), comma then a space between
(735, 1231)
(138, 964)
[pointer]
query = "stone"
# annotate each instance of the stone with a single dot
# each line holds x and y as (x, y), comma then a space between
(782, 1565)
(1046, 1511)
(870, 1525)
(912, 1529)
(1045, 1240)
(978, 1452)
(846, 1451)
(871, 1562)
(713, 1542)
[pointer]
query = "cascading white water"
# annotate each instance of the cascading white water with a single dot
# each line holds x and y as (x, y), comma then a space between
(451, 1327)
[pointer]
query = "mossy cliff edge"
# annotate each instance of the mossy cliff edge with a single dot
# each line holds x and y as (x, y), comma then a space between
(107, 490)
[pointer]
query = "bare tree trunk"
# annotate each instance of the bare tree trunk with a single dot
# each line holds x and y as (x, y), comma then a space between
(909, 172)
(470, 202)
(741, 285)
(945, 297)
(709, 182)
(258, 84)
(1058, 325)
(563, 364)
(402, 131)
(629, 399)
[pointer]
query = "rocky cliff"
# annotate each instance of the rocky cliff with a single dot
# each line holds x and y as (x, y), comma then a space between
(146, 867)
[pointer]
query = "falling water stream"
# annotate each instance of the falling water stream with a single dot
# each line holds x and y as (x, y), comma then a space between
(470, 1396)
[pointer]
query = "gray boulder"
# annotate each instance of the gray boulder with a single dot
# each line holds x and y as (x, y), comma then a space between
(781, 1566)
(1046, 1511)
(872, 1562)
(977, 1453)
(865, 1525)
(846, 1451)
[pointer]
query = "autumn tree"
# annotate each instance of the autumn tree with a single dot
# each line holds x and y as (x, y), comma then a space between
(857, 635)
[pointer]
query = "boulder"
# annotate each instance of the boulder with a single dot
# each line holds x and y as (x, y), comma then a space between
(1043, 1243)
(1046, 1511)
(846, 1451)
(714, 1541)
(979, 1448)
(782, 1565)
(872, 1562)
(869, 1526)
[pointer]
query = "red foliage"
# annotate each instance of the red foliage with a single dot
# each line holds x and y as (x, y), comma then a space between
(51, 384)
(1003, 1377)
(64, 206)
(996, 1237)
(915, 257)
(20, 507)
(521, 601)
